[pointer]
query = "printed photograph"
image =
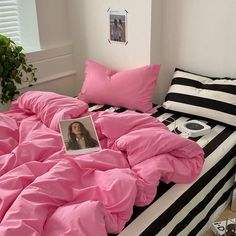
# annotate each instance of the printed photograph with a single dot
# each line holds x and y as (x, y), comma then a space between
(79, 135)
(117, 26)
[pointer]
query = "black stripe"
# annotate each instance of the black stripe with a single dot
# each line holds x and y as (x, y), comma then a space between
(202, 223)
(176, 131)
(217, 140)
(159, 223)
(186, 82)
(211, 124)
(226, 88)
(195, 139)
(121, 109)
(138, 111)
(202, 102)
(91, 104)
(210, 77)
(161, 189)
(103, 108)
(203, 204)
(158, 113)
(198, 117)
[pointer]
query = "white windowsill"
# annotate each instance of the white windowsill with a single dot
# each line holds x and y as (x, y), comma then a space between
(43, 54)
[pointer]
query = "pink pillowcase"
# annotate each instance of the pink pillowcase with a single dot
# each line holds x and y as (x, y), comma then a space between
(132, 89)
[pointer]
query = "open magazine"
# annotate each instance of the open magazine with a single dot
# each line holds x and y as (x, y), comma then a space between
(79, 135)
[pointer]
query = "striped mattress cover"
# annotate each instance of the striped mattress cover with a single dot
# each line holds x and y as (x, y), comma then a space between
(188, 209)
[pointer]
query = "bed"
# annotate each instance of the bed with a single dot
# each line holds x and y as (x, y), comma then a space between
(189, 209)
(38, 197)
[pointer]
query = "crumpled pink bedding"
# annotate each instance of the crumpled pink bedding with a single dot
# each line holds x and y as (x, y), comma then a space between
(44, 191)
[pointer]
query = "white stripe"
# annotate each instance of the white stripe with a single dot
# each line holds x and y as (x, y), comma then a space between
(201, 111)
(203, 79)
(203, 93)
(177, 122)
(214, 216)
(155, 108)
(112, 109)
(204, 140)
(162, 204)
(213, 201)
(95, 107)
(164, 116)
(196, 200)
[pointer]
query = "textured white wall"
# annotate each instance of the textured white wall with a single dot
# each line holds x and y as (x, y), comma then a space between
(55, 64)
(197, 35)
(156, 37)
(53, 23)
(89, 23)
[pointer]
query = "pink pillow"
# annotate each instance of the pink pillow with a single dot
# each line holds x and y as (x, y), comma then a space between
(132, 89)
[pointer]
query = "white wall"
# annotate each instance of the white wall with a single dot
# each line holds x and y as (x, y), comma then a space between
(90, 32)
(156, 43)
(198, 35)
(53, 23)
(54, 61)
(56, 70)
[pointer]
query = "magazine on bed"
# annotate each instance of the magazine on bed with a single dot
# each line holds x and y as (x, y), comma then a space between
(225, 227)
(79, 135)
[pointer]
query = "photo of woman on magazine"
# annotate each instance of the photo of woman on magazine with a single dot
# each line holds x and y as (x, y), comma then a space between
(79, 135)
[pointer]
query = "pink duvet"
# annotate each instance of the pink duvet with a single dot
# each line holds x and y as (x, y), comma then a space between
(44, 191)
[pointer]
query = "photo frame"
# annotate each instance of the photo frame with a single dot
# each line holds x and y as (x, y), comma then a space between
(118, 26)
(79, 135)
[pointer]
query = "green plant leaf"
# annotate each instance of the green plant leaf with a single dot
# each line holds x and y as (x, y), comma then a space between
(18, 80)
(1, 70)
(13, 69)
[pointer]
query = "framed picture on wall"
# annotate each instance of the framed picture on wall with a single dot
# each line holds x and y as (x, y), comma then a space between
(117, 26)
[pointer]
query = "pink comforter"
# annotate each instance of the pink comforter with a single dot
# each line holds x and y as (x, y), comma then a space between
(44, 191)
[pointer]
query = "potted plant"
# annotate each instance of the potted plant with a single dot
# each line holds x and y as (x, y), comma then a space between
(14, 69)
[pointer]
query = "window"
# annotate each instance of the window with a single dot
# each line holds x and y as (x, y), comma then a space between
(18, 21)
(9, 20)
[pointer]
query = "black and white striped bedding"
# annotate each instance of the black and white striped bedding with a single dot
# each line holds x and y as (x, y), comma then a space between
(188, 209)
(212, 98)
